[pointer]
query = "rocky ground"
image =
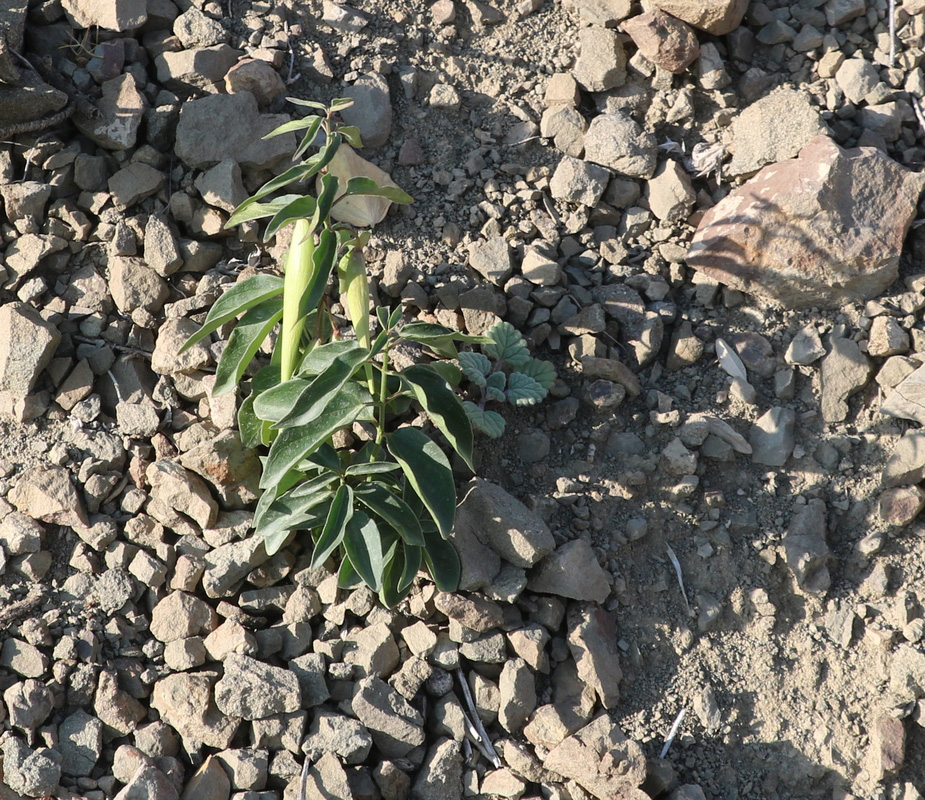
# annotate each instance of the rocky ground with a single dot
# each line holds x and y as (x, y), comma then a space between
(667, 200)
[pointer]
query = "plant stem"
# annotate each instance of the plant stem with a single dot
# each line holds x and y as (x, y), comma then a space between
(299, 268)
(383, 396)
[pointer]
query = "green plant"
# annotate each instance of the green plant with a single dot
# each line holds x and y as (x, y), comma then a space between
(385, 504)
(504, 372)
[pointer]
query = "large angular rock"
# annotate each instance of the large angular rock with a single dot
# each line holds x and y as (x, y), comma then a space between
(845, 371)
(907, 463)
(907, 400)
(601, 63)
(592, 638)
(230, 467)
(230, 126)
(713, 16)
(617, 141)
(27, 344)
(396, 727)
(440, 776)
(47, 494)
(112, 15)
(805, 548)
(198, 69)
(823, 229)
(666, 41)
(121, 109)
(182, 491)
(773, 129)
(572, 571)
(602, 760)
(185, 703)
(501, 522)
(251, 689)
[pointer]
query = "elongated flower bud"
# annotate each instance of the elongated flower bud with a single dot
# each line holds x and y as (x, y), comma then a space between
(354, 292)
(299, 271)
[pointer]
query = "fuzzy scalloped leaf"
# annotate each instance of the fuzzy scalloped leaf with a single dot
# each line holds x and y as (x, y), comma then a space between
(522, 390)
(508, 345)
(491, 423)
(541, 371)
(475, 367)
(494, 387)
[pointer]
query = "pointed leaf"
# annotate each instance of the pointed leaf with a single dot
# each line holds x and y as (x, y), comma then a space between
(384, 503)
(276, 402)
(295, 125)
(367, 186)
(332, 534)
(286, 514)
(522, 390)
(363, 545)
(490, 423)
(428, 471)
(249, 425)
(308, 103)
(391, 595)
(248, 211)
(294, 444)
(300, 208)
(320, 357)
(443, 407)
(351, 136)
(340, 103)
(372, 468)
(413, 557)
(442, 561)
(347, 576)
(244, 342)
(322, 389)
(241, 297)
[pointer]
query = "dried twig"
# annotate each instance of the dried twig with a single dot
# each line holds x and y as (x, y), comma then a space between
(919, 113)
(481, 736)
(673, 732)
(303, 781)
(677, 568)
(18, 609)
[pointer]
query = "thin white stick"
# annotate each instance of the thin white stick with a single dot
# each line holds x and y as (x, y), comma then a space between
(677, 568)
(477, 722)
(673, 732)
(892, 13)
(303, 782)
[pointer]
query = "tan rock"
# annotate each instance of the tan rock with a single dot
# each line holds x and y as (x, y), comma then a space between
(835, 239)
(713, 16)
(182, 491)
(665, 40)
(47, 494)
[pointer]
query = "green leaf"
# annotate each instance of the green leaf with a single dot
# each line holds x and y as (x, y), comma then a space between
(443, 407)
(294, 444)
(494, 386)
(248, 211)
(384, 503)
(300, 172)
(266, 378)
(442, 561)
(351, 135)
(326, 197)
(241, 297)
(392, 591)
(249, 425)
(447, 370)
(244, 342)
(541, 371)
(367, 186)
(475, 367)
(332, 534)
(363, 545)
(508, 345)
(308, 103)
(307, 140)
(286, 514)
(428, 471)
(326, 457)
(322, 391)
(313, 485)
(347, 576)
(311, 121)
(319, 358)
(340, 103)
(276, 402)
(490, 423)
(372, 468)
(437, 338)
(300, 208)
(522, 390)
(413, 558)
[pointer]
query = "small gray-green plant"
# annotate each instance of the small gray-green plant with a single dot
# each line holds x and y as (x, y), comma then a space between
(384, 506)
(504, 372)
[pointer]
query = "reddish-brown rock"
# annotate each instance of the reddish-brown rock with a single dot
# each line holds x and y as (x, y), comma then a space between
(664, 40)
(823, 229)
(713, 16)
